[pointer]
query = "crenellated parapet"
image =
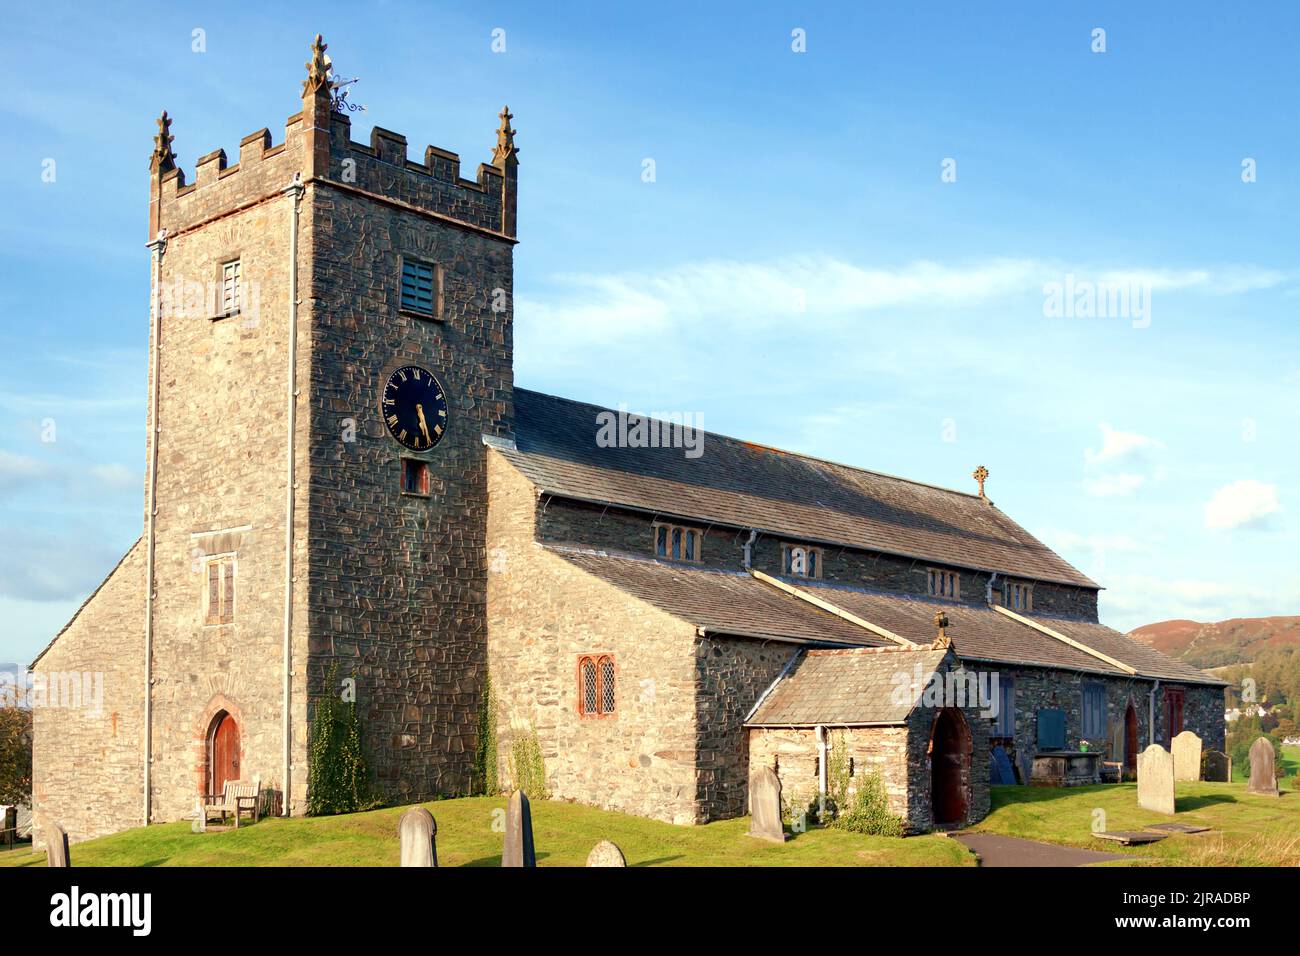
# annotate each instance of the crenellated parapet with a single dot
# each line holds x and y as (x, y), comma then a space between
(318, 146)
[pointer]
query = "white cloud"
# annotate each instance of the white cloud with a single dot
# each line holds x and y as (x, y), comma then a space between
(1120, 447)
(1242, 504)
(1113, 486)
(17, 471)
(604, 308)
(1136, 600)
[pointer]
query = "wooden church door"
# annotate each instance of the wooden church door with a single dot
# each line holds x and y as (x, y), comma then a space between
(224, 762)
(1130, 741)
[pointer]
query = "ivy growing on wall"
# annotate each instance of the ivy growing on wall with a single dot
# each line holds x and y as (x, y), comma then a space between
(524, 762)
(485, 751)
(338, 780)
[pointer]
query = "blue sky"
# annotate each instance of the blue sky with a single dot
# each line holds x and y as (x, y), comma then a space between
(798, 272)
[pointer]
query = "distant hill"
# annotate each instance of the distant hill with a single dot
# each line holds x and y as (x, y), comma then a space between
(1225, 642)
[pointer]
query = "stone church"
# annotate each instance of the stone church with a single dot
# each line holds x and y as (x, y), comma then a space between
(343, 478)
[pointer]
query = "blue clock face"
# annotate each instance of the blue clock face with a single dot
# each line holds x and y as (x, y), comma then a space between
(414, 406)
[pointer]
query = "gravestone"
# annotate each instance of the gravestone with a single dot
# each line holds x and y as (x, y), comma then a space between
(605, 853)
(1263, 776)
(418, 833)
(1216, 767)
(519, 832)
(1156, 779)
(56, 846)
(765, 806)
(1186, 749)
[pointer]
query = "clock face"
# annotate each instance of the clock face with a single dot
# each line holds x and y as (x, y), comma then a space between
(414, 407)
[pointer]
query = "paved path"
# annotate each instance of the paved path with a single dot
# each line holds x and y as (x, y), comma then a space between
(996, 850)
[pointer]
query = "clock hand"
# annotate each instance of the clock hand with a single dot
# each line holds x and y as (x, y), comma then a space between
(424, 427)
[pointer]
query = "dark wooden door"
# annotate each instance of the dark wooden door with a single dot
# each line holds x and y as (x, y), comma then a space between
(225, 752)
(1130, 741)
(1174, 701)
(947, 766)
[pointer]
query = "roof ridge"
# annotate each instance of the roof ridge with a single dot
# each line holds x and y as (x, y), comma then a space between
(780, 451)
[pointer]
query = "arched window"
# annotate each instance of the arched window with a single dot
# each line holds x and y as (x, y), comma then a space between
(596, 696)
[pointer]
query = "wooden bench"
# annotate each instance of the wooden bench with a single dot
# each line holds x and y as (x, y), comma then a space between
(236, 796)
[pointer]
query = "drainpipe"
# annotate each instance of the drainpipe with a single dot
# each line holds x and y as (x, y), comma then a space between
(822, 746)
(157, 248)
(749, 548)
(1151, 713)
(988, 591)
(295, 190)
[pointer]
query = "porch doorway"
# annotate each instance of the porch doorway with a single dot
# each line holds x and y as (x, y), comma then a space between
(950, 755)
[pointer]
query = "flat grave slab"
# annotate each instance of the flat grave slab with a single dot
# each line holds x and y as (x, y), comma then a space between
(1132, 837)
(1178, 827)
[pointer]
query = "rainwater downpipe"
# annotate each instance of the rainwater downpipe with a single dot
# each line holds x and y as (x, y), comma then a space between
(822, 746)
(157, 247)
(295, 191)
(1151, 713)
(749, 548)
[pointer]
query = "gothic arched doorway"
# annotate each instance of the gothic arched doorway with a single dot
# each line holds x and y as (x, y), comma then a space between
(1130, 741)
(223, 751)
(950, 754)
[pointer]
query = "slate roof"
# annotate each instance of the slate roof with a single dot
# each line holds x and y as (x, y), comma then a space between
(743, 485)
(979, 633)
(1148, 661)
(730, 602)
(845, 686)
(735, 602)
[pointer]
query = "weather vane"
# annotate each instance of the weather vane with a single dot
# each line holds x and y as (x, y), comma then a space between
(339, 90)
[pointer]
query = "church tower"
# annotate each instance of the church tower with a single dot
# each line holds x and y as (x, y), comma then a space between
(331, 351)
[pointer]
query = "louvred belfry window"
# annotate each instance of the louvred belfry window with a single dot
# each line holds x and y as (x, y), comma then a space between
(596, 697)
(219, 600)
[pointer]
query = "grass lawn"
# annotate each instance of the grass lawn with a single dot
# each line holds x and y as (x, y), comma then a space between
(1246, 830)
(564, 834)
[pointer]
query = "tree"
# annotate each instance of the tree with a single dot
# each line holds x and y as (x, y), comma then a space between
(15, 755)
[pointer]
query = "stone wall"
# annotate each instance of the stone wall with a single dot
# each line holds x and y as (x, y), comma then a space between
(398, 582)
(1038, 689)
(899, 754)
(222, 470)
(543, 613)
(731, 674)
(629, 531)
(87, 771)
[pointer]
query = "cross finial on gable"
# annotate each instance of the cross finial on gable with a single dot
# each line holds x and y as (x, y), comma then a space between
(981, 475)
(505, 151)
(941, 622)
(163, 158)
(318, 69)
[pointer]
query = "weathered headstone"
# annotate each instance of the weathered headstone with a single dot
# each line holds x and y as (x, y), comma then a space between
(1156, 779)
(519, 832)
(605, 853)
(1263, 776)
(1186, 749)
(418, 832)
(56, 846)
(1216, 766)
(765, 806)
